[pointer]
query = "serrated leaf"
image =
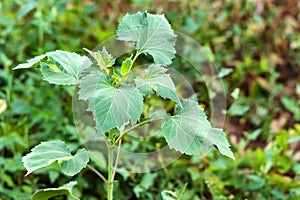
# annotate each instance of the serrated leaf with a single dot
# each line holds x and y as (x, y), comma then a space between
(76, 163)
(103, 58)
(31, 62)
(67, 64)
(53, 74)
(156, 80)
(61, 67)
(126, 66)
(112, 107)
(47, 153)
(219, 139)
(189, 131)
(48, 193)
(152, 35)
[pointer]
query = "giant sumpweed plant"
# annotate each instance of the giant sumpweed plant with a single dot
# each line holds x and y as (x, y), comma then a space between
(117, 101)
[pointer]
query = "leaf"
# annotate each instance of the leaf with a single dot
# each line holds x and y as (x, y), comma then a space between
(54, 75)
(103, 58)
(48, 193)
(126, 66)
(152, 35)
(61, 67)
(66, 64)
(47, 153)
(221, 142)
(76, 163)
(189, 131)
(157, 80)
(112, 107)
(30, 63)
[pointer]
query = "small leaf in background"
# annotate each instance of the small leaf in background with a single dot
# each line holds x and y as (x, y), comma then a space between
(152, 35)
(47, 153)
(156, 79)
(237, 109)
(45, 194)
(292, 106)
(103, 58)
(224, 72)
(170, 195)
(126, 66)
(235, 93)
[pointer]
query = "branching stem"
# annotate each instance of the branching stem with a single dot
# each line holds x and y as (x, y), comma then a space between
(98, 173)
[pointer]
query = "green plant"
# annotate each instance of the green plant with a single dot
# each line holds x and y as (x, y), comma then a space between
(117, 100)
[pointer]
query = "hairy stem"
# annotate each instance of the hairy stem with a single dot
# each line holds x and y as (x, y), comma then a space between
(110, 184)
(133, 127)
(117, 160)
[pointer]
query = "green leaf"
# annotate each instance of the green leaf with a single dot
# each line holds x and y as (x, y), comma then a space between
(31, 63)
(48, 193)
(61, 67)
(219, 136)
(152, 35)
(47, 153)
(103, 58)
(189, 131)
(64, 64)
(157, 80)
(76, 163)
(112, 107)
(53, 74)
(126, 66)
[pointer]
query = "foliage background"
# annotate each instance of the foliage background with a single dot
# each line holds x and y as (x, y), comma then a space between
(257, 42)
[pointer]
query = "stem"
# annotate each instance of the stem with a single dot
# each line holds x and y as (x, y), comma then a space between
(117, 160)
(133, 127)
(136, 56)
(98, 173)
(72, 195)
(110, 183)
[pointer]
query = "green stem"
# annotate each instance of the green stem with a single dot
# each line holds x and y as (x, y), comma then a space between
(110, 183)
(136, 56)
(133, 127)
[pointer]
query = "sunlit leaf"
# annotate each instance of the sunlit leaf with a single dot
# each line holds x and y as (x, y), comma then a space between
(152, 35)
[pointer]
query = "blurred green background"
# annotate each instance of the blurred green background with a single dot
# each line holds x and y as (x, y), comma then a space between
(255, 43)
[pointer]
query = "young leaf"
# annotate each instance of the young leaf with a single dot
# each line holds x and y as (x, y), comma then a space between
(112, 107)
(157, 80)
(152, 35)
(54, 192)
(126, 66)
(103, 58)
(47, 153)
(189, 131)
